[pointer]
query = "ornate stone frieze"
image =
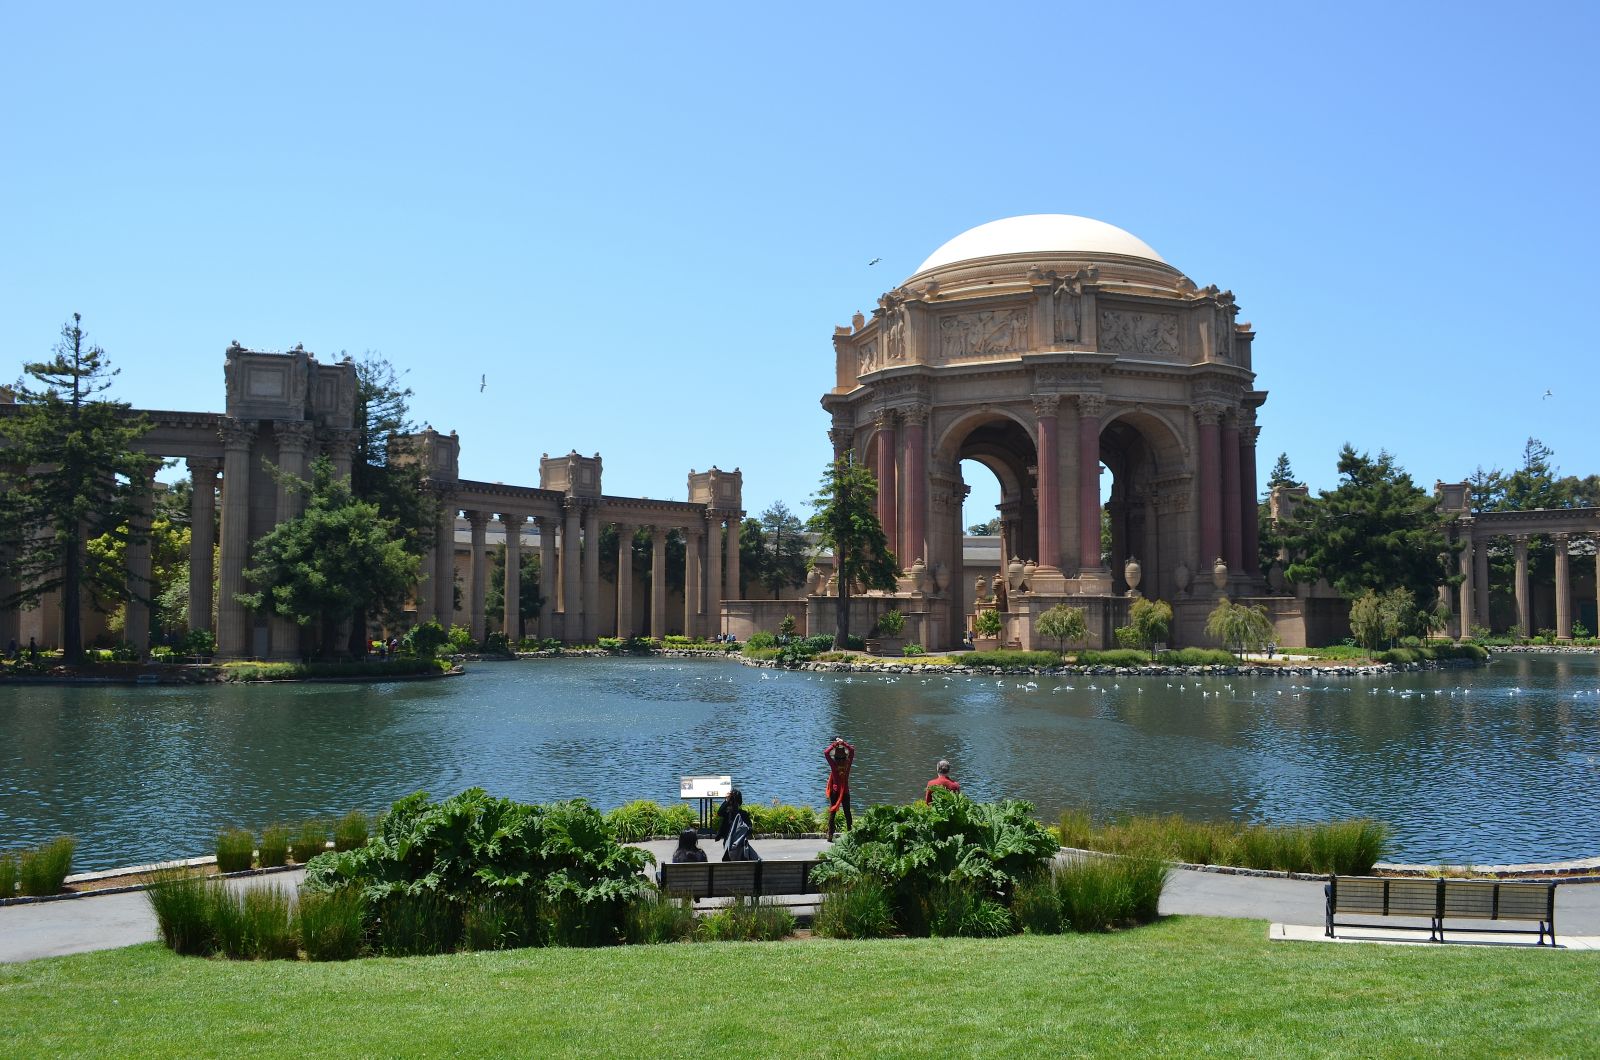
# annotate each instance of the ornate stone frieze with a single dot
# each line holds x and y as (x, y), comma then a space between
(201, 467)
(1124, 331)
(983, 334)
(915, 415)
(1067, 376)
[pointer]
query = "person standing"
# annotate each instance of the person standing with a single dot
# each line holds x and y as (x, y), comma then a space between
(840, 757)
(942, 781)
(734, 828)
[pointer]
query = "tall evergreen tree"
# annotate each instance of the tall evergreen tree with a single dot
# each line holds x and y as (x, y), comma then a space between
(1282, 474)
(846, 521)
(71, 473)
(778, 547)
(1377, 530)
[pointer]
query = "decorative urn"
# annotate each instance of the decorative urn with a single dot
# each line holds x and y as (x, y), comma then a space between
(1219, 574)
(1132, 572)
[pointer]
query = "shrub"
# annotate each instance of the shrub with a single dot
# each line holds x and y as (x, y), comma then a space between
(761, 640)
(891, 623)
(8, 874)
(656, 917)
(201, 642)
(312, 840)
(611, 645)
(234, 850)
(746, 920)
(761, 654)
(427, 639)
(43, 870)
(1009, 659)
(417, 924)
(1115, 657)
(181, 902)
(858, 911)
(496, 644)
(350, 831)
(269, 923)
(786, 628)
(912, 650)
(783, 820)
(459, 640)
(1196, 657)
(643, 818)
(493, 922)
(1345, 847)
(957, 909)
(333, 925)
(274, 849)
(986, 623)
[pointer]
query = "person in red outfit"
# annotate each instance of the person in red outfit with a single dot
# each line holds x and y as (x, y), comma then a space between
(941, 782)
(840, 757)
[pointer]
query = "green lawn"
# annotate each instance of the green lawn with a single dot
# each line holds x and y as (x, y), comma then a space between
(1179, 987)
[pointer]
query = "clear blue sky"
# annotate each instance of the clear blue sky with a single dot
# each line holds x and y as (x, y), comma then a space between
(681, 201)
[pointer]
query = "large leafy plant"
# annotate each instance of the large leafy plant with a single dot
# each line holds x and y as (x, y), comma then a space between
(916, 853)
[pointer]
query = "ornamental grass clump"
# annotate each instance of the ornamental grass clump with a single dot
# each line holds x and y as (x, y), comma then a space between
(746, 920)
(981, 850)
(181, 902)
(274, 850)
(959, 909)
(784, 820)
(1348, 848)
(494, 922)
(8, 874)
(311, 840)
(410, 925)
(643, 818)
(43, 870)
(350, 831)
(235, 847)
(658, 917)
(857, 911)
(333, 925)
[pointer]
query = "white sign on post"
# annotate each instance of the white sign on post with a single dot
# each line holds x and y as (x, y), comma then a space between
(705, 787)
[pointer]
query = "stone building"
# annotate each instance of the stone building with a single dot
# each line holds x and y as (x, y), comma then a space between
(1044, 348)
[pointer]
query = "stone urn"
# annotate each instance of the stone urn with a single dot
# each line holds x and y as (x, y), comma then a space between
(919, 575)
(1132, 572)
(1014, 573)
(1219, 574)
(941, 577)
(1183, 577)
(1027, 573)
(813, 581)
(980, 588)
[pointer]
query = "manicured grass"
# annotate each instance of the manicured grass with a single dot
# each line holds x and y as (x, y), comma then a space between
(1178, 987)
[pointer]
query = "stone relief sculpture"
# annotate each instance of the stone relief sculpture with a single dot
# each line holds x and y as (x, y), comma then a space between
(867, 357)
(1146, 333)
(979, 334)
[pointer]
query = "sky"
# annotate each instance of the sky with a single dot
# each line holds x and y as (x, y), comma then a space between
(639, 224)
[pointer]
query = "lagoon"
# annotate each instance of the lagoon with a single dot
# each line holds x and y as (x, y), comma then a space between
(1500, 764)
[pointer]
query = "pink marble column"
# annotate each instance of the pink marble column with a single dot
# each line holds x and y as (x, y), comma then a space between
(887, 499)
(1232, 517)
(914, 543)
(1249, 505)
(1090, 406)
(1210, 485)
(1047, 408)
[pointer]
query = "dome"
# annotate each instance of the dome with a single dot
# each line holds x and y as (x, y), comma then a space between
(1040, 233)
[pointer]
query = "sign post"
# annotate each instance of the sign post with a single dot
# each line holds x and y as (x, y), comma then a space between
(705, 790)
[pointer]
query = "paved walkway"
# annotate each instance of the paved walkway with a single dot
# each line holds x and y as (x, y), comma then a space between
(102, 922)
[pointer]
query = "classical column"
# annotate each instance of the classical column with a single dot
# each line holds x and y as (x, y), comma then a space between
(591, 574)
(478, 607)
(1563, 588)
(1232, 528)
(294, 439)
(915, 540)
(691, 583)
(444, 563)
(1466, 595)
(624, 581)
(840, 437)
(1090, 406)
(1480, 580)
(512, 589)
(735, 525)
(233, 630)
(1047, 408)
(572, 574)
(202, 539)
(1524, 619)
(658, 582)
(713, 573)
(136, 556)
(547, 575)
(1210, 486)
(888, 501)
(339, 444)
(1249, 504)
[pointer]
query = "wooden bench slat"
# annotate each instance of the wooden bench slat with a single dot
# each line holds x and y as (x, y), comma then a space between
(730, 879)
(1439, 900)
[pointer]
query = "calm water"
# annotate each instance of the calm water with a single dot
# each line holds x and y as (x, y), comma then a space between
(1501, 764)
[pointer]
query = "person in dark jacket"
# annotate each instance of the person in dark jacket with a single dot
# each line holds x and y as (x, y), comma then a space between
(734, 828)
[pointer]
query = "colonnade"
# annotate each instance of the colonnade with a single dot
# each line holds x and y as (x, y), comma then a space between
(1473, 592)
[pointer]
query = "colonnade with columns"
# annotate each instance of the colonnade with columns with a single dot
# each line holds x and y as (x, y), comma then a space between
(1472, 605)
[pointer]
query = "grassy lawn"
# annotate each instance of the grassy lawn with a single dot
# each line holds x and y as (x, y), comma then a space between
(1182, 986)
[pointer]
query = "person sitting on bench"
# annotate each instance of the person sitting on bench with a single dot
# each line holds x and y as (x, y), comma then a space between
(688, 847)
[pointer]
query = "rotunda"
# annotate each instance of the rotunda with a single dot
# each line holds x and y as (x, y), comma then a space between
(1044, 347)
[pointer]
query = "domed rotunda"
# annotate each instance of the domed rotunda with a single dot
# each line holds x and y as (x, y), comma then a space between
(1044, 347)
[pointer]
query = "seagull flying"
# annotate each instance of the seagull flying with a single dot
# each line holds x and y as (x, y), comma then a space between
(874, 261)
(483, 382)
(1546, 395)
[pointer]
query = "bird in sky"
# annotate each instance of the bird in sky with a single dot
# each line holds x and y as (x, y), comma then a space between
(1546, 395)
(483, 381)
(874, 261)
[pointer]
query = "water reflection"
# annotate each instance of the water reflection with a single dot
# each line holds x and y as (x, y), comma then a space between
(1489, 765)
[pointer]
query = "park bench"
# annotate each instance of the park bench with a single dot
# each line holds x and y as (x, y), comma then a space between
(730, 879)
(1439, 900)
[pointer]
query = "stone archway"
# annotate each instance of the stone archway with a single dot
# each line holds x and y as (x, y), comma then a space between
(1148, 467)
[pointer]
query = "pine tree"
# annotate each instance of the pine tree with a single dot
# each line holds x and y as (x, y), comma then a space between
(780, 549)
(71, 473)
(1282, 474)
(846, 521)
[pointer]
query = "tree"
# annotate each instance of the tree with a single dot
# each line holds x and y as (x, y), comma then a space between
(169, 571)
(847, 523)
(529, 600)
(988, 529)
(1282, 474)
(1239, 627)
(1381, 619)
(339, 559)
(1149, 624)
(71, 473)
(777, 547)
(1062, 624)
(1377, 530)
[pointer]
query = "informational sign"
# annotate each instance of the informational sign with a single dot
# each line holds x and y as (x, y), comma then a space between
(705, 787)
